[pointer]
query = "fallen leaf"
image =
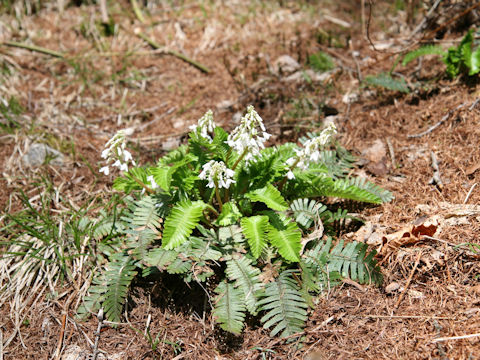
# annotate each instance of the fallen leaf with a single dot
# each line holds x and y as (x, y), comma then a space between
(472, 169)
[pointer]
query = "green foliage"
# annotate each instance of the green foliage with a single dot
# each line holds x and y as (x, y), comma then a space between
(422, 51)
(184, 217)
(118, 275)
(321, 62)
(255, 230)
(234, 219)
(9, 113)
(246, 278)
(462, 59)
(388, 82)
(229, 310)
(270, 196)
(284, 306)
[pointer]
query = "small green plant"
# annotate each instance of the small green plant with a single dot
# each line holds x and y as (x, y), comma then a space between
(9, 113)
(388, 82)
(462, 59)
(321, 62)
(243, 219)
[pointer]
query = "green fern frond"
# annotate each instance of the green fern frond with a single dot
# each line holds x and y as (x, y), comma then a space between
(229, 308)
(284, 305)
(422, 51)
(179, 266)
(270, 196)
(352, 261)
(287, 239)
(181, 221)
(162, 175)
(130, 180)
(160, 258)
(306, 211)
(246, 278)
(107, 226)
(145, 214)
(92, 302)
(118, 275)
(229, 214)
(144, 224)
(345, 189)
(174, 156)
(388, 82)
(364, 184)
(255, 230)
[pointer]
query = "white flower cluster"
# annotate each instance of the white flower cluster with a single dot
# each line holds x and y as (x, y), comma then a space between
(217, 173)
(311, 151)
(116, 153)
(205, 125)
(246, 136)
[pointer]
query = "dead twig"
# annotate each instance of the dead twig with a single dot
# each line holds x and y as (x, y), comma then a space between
(100, 318)
(392, 153)
(433, 127)
(426, 317)
(469, 193)
(181, 56)
(423, 22)
(409, 280)
(104, 11)
(455, 337)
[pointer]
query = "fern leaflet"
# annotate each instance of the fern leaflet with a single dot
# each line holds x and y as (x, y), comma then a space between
(270, 196)
(180, 223)
(422, 51)
(119, 274)
(287, 240)
(229, 309)
(284, 305)
(351, 261)
(246, 278)
(255, 228)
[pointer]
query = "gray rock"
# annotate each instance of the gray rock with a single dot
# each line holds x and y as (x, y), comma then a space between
(285, 64)
(39, 153)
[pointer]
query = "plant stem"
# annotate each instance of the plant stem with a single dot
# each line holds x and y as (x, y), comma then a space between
(240, 159)
(181, 56)
(137, 11)
(147, 189)
(34, 48)
(217, 194)
(284, 180)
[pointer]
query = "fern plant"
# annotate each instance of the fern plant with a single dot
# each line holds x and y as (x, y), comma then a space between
(226, 209)
(462, 59)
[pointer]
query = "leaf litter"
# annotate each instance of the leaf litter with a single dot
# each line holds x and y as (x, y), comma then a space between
(440, 290)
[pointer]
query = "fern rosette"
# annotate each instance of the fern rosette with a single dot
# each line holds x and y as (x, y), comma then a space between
(227, 205)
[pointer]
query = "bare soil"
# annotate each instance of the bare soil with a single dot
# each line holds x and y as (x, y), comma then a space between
(110, 83)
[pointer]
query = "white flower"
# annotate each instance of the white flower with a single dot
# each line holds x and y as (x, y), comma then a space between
(290, 175)
(311, 151)
(205, 125)
(105, 170)
(115, 153)
(217, 173)
(151, 180)
(246, 136)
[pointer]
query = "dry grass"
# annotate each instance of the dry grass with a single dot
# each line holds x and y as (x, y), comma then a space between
(108, 83)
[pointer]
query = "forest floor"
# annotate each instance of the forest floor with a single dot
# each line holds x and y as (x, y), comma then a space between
(76, 103)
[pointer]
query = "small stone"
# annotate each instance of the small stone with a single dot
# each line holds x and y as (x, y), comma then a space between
(39, 153)
(170, 144)
(394, 286)
(285, 64)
